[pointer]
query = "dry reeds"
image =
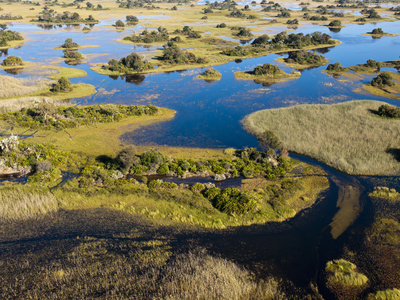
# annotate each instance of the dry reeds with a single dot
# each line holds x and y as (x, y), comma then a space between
(15, 87)
(19, 203)
(347, 136)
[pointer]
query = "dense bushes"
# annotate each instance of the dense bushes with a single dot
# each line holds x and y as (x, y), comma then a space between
(211, 72)
(174, 55)
(304, 58)
(336, 67)
(72, 55)
(132, 63)
(49, 15)
(69, 44)
(280, 41)
(383, 79)
(62, 85)
(8, 36)
(47, 116)
(12, 61)
(389, 111)
(161, 35)
(266, 69)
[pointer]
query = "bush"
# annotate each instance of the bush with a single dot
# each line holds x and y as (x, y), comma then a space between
(336, 67)
(131, 19)
(383, 79)
(126, 158)
(389, 111)
(211, 72)
(69, 44)
(152, 158)
(69, 54)
(234, 201)
(266, 69)
(42, 166)
(62, 85)
(335, 23)
(163, 169)
(119, 23)
(222, 25)
(12, 61)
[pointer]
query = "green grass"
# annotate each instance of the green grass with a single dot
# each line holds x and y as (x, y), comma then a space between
(346, 136)
(280, 77)
(389, 294)
(301, 66)
(385, 193)
(344, 272)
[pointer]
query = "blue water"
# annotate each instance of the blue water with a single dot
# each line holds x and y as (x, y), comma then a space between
(208, 114)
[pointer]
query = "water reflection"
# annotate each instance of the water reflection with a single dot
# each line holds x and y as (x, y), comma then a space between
(3, 52)
(336, 30)
(14, 71)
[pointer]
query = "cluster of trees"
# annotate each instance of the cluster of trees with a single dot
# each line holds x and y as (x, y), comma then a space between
(336, 67)
(389, 111)
(371, 13)
(242, 31)
(280, 41)
(8, 35)
(49, 117)
(335, 23)
(143, 3)
(189, 32)
(9, 17)
(304, 58)
(175, 55)
(373, 64)
(51, 16)
(12, 61)
(247, 162)
(377, 31)
(62, 85)
(266, 69)
(161, 35)
(382, 80)
(224, 5)
(132, 63)
(132, 19)
(73, 55)
(314, 18)
(69, 44)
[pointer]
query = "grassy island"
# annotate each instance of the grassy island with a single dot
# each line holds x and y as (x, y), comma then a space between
(210, 74)
(322, 132)
(303, 59)
(266, 73)
(378, 32)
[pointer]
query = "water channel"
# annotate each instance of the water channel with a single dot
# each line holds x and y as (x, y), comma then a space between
(209, 114)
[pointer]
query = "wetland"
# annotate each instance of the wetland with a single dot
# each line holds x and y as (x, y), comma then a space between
(114, 209)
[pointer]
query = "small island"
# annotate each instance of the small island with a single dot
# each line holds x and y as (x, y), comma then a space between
(266, 73)
(378, 33)
(303, 59)
(210, 74)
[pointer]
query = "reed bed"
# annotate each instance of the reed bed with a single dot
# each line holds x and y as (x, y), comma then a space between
(20, 203)
(15, 87)
(347, 136)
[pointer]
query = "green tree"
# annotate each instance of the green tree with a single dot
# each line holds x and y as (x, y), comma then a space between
(268, 139)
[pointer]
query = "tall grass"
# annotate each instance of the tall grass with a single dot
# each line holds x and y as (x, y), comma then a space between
(12, 105)
(389, 294)
(347, 136)
(344, 272)
(95, 270)
(14, 87)
(21, 203)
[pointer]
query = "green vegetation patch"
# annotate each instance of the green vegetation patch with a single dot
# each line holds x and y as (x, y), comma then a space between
(344, 273)
(389, 294)
(210, 74)
(49, 117)
(378, 32)
(322, 132)
(304, 59)
(266, 73)
(7, 36)
(385, 193)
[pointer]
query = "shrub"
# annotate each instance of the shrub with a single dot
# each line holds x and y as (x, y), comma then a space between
(42, 166)
(211, 72)
(62, 85)
(335, 23)
(12, 61)
(234, 201)
(131, 19)
(152, 158)
(69, 54)
(266, 69)
(382, 79)
(127, 158)
(69, 44)
(336, 67)
(377, 31)
(163, 169)
(119, 23)
(222, 25)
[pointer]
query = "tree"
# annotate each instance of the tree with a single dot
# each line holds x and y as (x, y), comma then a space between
(131, 19)
(335, 23)
(127, 158)
(89, 5)
(62, 85)
(119, 23)
(268, 139)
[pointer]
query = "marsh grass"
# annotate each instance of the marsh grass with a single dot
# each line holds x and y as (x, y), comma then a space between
(12, 87)
(347, 136)
(12, 105)
(385, 193)
(22, 203)
(389, 294)
(133, 268)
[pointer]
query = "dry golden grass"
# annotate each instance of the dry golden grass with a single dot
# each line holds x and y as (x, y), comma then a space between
(13, 87)
(20, 203)
(346, 136)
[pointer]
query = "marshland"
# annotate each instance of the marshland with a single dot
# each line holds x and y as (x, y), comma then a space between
(137, 163)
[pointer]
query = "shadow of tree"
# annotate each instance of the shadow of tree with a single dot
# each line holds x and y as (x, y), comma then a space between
(395, 152)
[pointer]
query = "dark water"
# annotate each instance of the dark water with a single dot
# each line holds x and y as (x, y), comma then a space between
(209, 114)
